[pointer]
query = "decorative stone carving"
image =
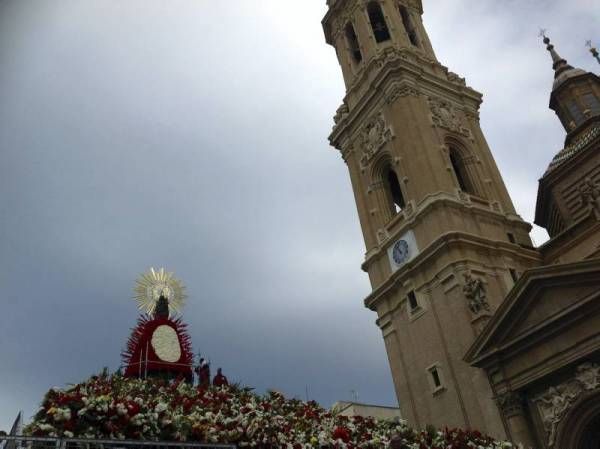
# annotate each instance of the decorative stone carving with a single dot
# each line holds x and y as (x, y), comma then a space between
(472, 115)
(382, 236)
(346, 149)
(373, 136)
(390, 55)
(401, 91)
(474, 291)
(338, 25)
(454, 78)
(554, 404)
(510, 403)
(589, 193)
(588, 375)
(341, 113)
(463, 196)
(444, 115)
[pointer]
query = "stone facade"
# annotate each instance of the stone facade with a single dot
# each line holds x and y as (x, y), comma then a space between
(543, 344)
(449, 260)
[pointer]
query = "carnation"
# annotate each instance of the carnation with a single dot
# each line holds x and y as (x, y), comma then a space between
(178, 411)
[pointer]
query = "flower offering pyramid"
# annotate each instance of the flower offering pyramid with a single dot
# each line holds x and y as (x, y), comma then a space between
(159, 345)
(156, 399)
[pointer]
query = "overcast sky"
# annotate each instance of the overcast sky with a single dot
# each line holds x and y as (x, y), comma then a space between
(193, 135)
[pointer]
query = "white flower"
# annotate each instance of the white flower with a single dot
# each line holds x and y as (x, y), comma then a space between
(121, 409)
(68, 434)
(160, 407)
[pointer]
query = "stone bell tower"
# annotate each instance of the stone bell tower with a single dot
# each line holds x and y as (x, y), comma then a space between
(444, 244)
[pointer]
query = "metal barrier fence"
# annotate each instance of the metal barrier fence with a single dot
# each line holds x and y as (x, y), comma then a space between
(12, 442)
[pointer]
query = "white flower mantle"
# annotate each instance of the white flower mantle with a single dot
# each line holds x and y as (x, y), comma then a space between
(166, 344)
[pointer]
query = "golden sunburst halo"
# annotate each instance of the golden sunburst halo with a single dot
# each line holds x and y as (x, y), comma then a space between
(150, 285)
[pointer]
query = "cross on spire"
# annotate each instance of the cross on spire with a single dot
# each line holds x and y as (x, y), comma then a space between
(593, 50)
(559, 64)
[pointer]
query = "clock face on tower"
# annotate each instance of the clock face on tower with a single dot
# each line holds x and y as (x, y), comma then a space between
(400, 252)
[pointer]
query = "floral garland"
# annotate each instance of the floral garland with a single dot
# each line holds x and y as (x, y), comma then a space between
(151, 348)
(119, 408)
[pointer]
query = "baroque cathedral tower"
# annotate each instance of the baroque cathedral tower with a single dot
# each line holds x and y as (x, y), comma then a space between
(444, 244)
(482, 330)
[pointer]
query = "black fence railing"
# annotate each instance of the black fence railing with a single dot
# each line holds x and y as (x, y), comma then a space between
(12, 442)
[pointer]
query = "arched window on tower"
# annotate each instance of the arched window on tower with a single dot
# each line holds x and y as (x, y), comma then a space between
(460, 171)
(576, 112)
(396, 198)
(353, 44)
(380, 28)
(408, 25)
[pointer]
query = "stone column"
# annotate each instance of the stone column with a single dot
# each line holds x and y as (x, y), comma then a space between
(513, 408)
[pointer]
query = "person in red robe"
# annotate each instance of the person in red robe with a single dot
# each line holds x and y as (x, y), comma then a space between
(220, 379)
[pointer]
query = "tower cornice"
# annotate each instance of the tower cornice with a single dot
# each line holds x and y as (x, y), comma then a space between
(386, 76)
(425, 208)
(431, 254)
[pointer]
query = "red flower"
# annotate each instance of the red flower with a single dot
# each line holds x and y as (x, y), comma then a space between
(341, 433)
(133, 408)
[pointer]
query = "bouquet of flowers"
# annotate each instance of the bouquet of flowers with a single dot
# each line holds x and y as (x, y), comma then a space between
(116, 407)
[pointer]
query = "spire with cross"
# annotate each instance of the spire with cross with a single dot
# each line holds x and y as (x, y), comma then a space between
(559, 64)
(593, 50)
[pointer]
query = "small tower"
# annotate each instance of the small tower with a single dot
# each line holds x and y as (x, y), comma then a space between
(444, 244)
(568, 201)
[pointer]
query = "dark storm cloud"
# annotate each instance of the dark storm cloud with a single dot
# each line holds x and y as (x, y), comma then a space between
(192, 135)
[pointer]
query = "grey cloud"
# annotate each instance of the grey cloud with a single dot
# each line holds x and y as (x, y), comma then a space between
(193, 135)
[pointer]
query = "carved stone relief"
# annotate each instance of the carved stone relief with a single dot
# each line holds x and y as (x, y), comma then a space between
(401, 91)
(389, 55)
(373, 136)
(347, 149)
(554, 404)
(341, 113)
(455, 78)
(495, 206)
(382, 236)
(338, 24)
(474, 291)
(510, 403)
(463, 196)
(444, 115)
(472, 116)
(589, 193)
